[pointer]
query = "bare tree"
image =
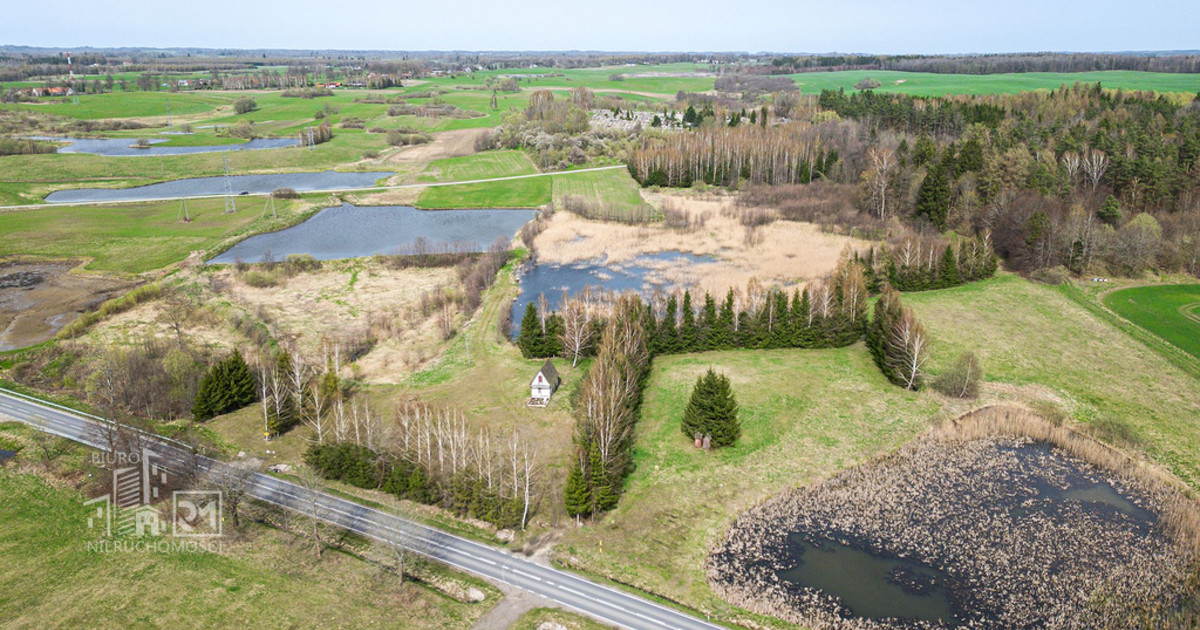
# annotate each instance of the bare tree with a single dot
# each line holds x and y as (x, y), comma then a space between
(577, 328)
(310, 483)
(233, 482)
(1095, 163)
(910, 346)
(879, 178)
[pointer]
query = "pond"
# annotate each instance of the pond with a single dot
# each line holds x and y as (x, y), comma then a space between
(954, 535)
(199, 186)
(122, 147)
(870, 585)
(642, 274)
(5, 455)
(350, 231)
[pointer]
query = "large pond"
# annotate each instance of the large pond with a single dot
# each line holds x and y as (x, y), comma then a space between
(199, 186)
(353, 231)
(954, 535)
(643, 274)
(122, 147)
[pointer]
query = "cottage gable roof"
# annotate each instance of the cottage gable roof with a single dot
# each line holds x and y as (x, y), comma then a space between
(548, 372)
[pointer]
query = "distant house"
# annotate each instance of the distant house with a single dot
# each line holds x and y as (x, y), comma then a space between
(543, 385)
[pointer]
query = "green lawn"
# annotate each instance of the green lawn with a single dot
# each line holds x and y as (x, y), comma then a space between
(613, 187)
(479, 166)
(133, 238)
(530, 192)
(263, 579)
(1172, 312)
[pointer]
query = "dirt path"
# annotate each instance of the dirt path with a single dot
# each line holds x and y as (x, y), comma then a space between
(38, 298)
(445, 144)
(512, 606)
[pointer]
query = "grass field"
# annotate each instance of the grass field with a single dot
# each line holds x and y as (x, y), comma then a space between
(134, 104)
(479, 166)
(264, 579)
(530, 192)
(1172, 312)
(136, 237)
(614, 187)
(809, 413)
(928, 84)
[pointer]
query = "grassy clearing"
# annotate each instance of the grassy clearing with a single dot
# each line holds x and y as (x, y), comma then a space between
(137, 237)
(479, 166)
(133, 104)
(1172, 312)
(614, 187)
(808, 413)
(530, 192)
(1038, 342)
(263, 577)
(929, 84)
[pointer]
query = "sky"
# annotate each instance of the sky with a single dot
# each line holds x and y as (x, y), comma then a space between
(875, 26)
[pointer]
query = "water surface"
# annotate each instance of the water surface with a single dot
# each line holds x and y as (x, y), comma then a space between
(121, 147)
(354, 231)
(638, 275)
(199, 186)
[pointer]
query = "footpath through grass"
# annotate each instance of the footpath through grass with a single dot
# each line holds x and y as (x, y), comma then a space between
(1172, 312)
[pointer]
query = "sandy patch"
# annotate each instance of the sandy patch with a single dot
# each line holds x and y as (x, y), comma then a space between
(787, 253)
(445, 144)
(38, 298)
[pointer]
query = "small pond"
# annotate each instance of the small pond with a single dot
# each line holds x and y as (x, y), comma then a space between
(871, 585)
(640, 274)
(350, 231)
(199, 186)
(122, 147)
(948, 535)
(6, 455)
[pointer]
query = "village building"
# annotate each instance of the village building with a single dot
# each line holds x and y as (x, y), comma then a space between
(543, 385)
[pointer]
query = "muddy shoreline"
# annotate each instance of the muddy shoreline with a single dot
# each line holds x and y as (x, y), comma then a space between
(39, 298)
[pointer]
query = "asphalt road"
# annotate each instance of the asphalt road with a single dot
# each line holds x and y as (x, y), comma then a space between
(604, 603)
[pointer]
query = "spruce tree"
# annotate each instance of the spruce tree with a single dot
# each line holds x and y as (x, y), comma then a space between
(708, 323)
(723, 332)
(688, 341)
(668, 333)
(933, 198)
(529, 340)
(1110, 212)
(948, 276)
(603, 498)
(712, 411)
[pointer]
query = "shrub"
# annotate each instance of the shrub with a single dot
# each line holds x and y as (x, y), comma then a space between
(962, 379)
(244, 105)
(285, 193)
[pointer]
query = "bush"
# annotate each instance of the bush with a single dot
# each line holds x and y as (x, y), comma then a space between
(244, 105)
(962, 379)
(285, 193)
(260, 279)
(401, 138)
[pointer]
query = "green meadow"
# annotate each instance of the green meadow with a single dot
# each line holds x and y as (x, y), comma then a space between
(1172, 312)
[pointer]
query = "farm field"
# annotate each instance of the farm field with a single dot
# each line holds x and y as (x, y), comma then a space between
(485, 165)
(262, 578)
(1172, 312)
(615, 189)
(135, 238)
(809, 413)
(930, 84)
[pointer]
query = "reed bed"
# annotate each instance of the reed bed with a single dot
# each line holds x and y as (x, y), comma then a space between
(968, 499)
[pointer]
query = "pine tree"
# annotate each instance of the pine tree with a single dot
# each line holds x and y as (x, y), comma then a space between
(603, 498)
(688, 341)
(948, 276)
(723, 334)
(712, 411)
(227, 386)
(1110, 212)
(933, 198)
(529, 340)
(708, 323)
(668, 332)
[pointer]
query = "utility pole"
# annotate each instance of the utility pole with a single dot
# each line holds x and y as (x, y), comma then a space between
(182, 216)
(230, 204)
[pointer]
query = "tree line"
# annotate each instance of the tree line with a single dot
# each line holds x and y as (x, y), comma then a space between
(724, 155)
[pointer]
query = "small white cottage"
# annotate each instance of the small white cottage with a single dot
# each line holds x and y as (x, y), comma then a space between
(543, 385)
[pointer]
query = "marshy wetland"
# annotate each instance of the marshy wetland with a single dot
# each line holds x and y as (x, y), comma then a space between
(974, 526)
